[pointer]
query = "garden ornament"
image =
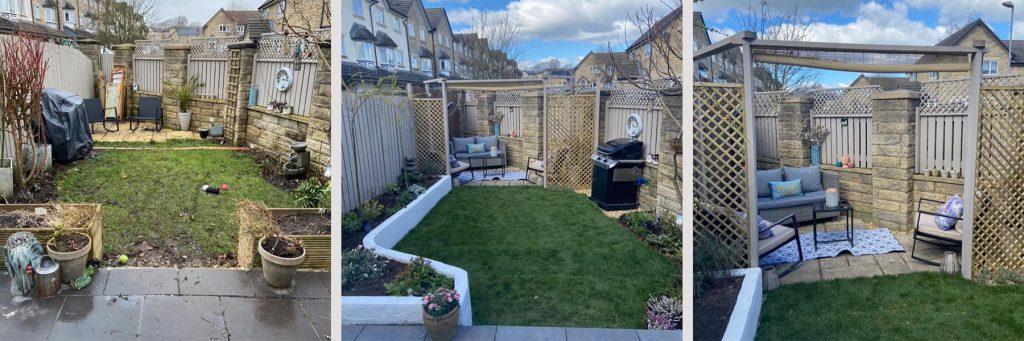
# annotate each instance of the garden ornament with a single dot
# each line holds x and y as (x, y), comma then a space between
(21, 254)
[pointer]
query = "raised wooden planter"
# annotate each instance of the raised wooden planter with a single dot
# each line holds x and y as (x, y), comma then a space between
(94, 228)
(318, 248)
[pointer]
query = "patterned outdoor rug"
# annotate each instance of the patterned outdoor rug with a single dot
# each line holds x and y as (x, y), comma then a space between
(866, 242)
(492, 175)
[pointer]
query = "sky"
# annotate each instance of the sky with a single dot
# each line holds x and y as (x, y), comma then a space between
(202, 10)
(912, 22)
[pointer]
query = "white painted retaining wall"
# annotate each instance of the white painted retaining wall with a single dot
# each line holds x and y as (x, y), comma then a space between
(404, 310)
(747, 312)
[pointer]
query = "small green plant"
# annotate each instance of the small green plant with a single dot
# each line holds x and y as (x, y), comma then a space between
(440, 302)
(371, 210)
(351, 222)
(664, 313)
(404, 199)
(637, 219)
(360, 265)
(417, 279)
(183, 92)
(712, 257)
(313, 193)
(416, 190)
(392, 189)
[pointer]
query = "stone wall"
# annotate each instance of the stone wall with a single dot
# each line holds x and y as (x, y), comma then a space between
(935, 188)
(203, 109)
(175, 74)
(514, 151)
(533, 125)
(892, 155)
(855, 186)
(669, 176)
(275, 132)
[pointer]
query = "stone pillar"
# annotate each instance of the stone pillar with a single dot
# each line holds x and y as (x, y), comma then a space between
(91, 48)
(236, 104)
(484, 106)
(318, 134)
(175, 74)
(793, 150)
(602, 115)
(669, 171)
(892, 157)
(533, 124)
(123, 57)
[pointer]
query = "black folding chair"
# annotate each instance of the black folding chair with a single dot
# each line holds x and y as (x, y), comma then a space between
(94, 113)
(150, 109)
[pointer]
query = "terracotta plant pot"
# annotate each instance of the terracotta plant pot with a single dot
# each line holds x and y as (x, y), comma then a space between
(279, 271)
(441, 328)
(72, 264)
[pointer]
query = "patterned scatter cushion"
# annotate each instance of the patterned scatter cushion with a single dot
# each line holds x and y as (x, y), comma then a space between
(790, 188)
(475, 147)
(764, 177)
(954, 207)
(764, 230)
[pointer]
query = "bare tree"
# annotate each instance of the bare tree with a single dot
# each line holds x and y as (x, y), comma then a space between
(238, 5)
(500, 42)
(550, 63)
(179, 21)
(309, 20)
(125, 21)
(787, 25)
(658, 52)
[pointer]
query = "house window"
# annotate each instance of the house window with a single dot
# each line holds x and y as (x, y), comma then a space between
(69, 17)
(223, 28)
(50, 14)
(410, 28)
(415, 62)
(423, 35)
(357, 7)
(398, 23)
(647, 50)
(595, 69)
(365, 51)
(400, 58)
(380, 17)
(241, 28)
(933, 75)
(610, 69)
(6, 6)
(989, 67)
(281, 8)
(444, 65)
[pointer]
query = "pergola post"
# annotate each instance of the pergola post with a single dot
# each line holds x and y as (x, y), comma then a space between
(544, 114)
(751, 150)
(444, 107)
(971, 157)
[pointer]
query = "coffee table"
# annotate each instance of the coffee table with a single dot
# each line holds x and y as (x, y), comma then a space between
(482, 164)
(845, 209)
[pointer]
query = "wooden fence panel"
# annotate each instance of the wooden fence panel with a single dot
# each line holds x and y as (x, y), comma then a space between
(628, 100)
(766, 125)
(148, 65)
(375, 141)
(69, 70)
(510, 103)
(276, 53)
(208, 60)
(846, 113)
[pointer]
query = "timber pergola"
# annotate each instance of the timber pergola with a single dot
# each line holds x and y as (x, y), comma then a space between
(494, 85)
(868, 58)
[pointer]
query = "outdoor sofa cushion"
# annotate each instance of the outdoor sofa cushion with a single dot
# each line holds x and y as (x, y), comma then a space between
(954, 207)
(461, 144)
(488, 141)
(926, 225)
(764, 177)
(480, 154)
(476, 148)
(783, 189)
(781, 235)
(767, 203)
(811, 177)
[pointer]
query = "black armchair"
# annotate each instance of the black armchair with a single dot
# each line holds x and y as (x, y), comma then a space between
(928, 232)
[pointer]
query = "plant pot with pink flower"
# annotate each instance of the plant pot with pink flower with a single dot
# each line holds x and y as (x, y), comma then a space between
(441, 313)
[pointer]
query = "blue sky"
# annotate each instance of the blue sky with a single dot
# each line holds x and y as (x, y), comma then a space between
(917, 22)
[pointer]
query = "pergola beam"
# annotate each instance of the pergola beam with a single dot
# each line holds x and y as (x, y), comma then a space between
(841, 66)
(762, 44)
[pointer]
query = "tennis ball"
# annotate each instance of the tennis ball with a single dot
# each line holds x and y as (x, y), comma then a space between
(123, 259)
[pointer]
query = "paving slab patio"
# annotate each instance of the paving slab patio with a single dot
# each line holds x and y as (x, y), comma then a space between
(170, 304)
(849, 266)
(496, 333)
(143, 134)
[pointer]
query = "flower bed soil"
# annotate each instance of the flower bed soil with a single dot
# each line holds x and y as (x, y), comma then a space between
(272, 170)
(305, 224)
(376, 287)
(714, 308)
(69, 242)
(282, 247)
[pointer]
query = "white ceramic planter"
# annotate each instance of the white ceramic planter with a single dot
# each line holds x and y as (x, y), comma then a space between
(6, 177)
(405, 310)
(184, 120)
(747, 312)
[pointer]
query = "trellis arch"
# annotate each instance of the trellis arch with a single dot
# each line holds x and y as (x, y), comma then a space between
(569, 140)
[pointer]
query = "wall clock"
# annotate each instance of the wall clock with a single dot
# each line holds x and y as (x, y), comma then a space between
(634, 125)
(283, 79)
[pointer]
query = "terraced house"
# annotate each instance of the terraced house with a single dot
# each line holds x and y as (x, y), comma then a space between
(404, 40)
(227, 23)
(73, 14)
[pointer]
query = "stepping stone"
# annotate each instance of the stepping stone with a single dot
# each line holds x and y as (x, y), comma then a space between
(600, 334)
(392, 333)
(141, 281)
(29, 319)
(319, 311)
(266, 319)
(98, 318)
(215, 282)
(510, 333)
(349, 332)
(659, 335)
(307, 284)
(183, 318)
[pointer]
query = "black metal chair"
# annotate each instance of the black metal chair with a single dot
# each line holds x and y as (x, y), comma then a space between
(151, 110)
(928, 232)
(95, 114)
(782, 238)
(535, 165)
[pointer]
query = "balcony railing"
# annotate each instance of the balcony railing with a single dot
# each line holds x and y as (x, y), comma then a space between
(366, 63)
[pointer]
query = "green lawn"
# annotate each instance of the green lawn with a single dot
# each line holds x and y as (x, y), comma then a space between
(923, 306)
(542, 258)
(170, 143)
(154, 196)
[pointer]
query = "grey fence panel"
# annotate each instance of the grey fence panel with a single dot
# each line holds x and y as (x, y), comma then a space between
(276, 53)
(627, 100)
(846, 113)
(375, 141)
(766, 125)
(212, 73)
(148, 65)
(107, 63)
(69, 70)
(510, 104)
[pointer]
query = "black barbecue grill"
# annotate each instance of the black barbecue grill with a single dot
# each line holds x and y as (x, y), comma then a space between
(617, 166)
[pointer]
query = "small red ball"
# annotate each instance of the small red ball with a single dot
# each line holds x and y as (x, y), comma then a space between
(224, 187)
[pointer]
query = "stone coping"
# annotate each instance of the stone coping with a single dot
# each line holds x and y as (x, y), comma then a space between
(923, 177)
(747, 312)
(209, 100)
(858, 170)
(896, 94)
(293, 117)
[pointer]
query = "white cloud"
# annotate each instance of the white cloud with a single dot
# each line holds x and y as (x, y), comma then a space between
(529, 64)
(202, 10)
(592, 21)
(720, 11)
(878, 24)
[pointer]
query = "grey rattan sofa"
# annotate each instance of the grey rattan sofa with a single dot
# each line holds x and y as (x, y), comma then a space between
(483, 159)
(800, 206)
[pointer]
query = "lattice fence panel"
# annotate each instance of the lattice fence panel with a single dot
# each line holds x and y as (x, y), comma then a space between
(570, 141)
(431, 139)
(846, 113)
(720, 190)
(999, 193)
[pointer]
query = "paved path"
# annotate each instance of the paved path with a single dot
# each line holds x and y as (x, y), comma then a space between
(141, 135)
(172, 304)
(510, 333)
(849, 266)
